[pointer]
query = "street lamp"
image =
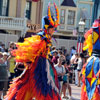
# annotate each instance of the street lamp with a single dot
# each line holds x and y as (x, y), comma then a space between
(81, 27)
(81, 30)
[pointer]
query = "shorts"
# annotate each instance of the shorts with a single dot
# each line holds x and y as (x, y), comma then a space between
(1, 85)
(60, 78)
(64, 82)
(78, 70)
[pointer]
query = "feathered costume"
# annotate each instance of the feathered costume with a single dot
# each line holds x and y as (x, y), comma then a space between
(91, 70)
(39, 80)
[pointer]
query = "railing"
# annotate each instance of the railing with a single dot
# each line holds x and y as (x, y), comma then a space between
(11, 23)
(66, 27)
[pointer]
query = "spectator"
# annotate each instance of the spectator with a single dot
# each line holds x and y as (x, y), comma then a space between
(11, 47)
(50, 58)
(11, 61)
(55, 57)
(67, 57)
(65, 51)
(61, 56)
(72, 60)
(2, 48)
(60, 72)
(55, 73)
(65, 82)
(75, 64)
(19, 68)
(79, 67)
(5, 59)
(53, 49)
(3, 74)
(73, 51)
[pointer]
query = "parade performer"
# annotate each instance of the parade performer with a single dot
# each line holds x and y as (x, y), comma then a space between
(39, 80)
(91, 70)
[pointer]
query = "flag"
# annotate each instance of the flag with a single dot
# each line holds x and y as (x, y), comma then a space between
(80, 44)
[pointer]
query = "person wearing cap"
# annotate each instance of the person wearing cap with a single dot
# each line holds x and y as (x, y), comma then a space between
(39, 79)
(91, 70)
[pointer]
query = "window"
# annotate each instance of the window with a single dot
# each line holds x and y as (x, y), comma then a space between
(4, 5)
(62, 17)
(71, 17)
(28, 9)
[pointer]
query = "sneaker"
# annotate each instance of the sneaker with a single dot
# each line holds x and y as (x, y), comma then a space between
(79, 85)
(65, 97)
(70, 98)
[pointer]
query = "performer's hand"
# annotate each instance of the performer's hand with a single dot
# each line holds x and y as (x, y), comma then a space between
(39, 30)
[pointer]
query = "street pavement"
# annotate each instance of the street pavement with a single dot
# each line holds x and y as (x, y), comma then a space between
(76, 92)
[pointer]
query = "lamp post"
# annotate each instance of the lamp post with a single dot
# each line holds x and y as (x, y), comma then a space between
(81, 27)
(81, 30)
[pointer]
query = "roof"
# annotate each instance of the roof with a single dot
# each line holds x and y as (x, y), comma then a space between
(68, 3)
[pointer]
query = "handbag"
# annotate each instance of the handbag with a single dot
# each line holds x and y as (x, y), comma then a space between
(65, 78)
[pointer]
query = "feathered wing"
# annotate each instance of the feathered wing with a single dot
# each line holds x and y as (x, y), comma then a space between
(30, 49)
(38, 79)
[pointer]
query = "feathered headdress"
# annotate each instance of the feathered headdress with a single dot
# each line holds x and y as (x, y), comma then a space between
(92, 38)
(48, 21)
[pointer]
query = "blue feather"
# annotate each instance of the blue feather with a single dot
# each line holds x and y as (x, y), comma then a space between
(41, 78)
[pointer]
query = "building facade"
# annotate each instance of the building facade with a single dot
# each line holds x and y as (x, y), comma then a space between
(71, 11)
(18, 13)
(96, 10)
(18, 17)
(85, 11)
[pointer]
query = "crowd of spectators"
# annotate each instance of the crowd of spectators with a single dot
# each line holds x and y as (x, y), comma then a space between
(8, 67)
(68, 67)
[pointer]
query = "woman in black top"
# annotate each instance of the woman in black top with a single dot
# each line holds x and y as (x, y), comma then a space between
(19, 69)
